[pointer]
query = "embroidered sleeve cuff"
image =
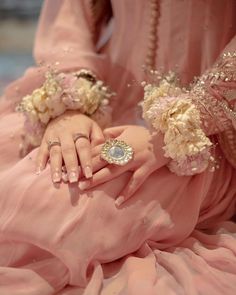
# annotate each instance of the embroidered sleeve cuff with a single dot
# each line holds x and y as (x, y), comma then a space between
(173, 113)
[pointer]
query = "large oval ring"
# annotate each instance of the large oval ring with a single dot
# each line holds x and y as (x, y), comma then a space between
(53, 143)
(117, 152)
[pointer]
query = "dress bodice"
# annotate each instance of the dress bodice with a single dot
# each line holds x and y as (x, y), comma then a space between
(185, 36)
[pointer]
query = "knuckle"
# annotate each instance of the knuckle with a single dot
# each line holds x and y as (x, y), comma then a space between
(55, 169)
(82, 144)
(67, 149)
(70, 162)
(55, 152)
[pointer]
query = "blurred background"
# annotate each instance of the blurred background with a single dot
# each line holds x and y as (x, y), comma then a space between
(18, 22)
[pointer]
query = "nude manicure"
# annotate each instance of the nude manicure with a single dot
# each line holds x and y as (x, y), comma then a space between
(119, 201)
(88, 172)
(83, 185)
(73, 177)
(56, 177)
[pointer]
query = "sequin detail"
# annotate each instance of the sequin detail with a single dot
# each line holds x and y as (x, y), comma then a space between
(215, 96)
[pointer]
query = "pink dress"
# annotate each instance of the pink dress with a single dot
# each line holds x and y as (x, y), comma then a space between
(175, 235)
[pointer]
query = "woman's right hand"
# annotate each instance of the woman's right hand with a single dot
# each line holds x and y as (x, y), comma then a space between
(74, 154)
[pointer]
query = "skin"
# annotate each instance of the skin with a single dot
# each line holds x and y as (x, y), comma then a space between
(147, 147)
(148, 157)
(75, 155)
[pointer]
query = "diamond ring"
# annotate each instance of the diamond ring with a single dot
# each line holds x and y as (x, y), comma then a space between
(116, 152)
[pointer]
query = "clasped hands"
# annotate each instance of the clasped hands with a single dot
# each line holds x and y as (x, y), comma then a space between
(82, 160)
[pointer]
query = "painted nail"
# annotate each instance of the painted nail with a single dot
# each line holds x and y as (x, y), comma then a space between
(38, 170)
(73, 177)
(119, 201)
(83, 185)
(64, 177)
(88, 172)
(56, 177)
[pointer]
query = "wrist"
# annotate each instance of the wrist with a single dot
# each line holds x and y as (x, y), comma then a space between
(158, 145)
(73, 93)
(175, 116)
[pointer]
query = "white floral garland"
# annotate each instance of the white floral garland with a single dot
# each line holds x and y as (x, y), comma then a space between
(60, 92)
(173, 113)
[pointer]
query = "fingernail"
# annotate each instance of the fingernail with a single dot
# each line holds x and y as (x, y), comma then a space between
(56, 177)
(83, 185)
(119, 201)
(73, 177)
(38, 171)
(88, 172)
(64, 177)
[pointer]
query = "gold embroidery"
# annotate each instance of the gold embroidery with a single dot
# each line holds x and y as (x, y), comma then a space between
(221, 103)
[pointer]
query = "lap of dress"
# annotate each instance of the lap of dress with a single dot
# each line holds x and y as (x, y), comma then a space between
(172, 237)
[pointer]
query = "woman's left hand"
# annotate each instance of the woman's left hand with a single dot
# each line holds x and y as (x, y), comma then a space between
(148, 157)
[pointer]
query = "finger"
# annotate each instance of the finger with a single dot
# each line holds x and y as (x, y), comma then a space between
(42, 157)
(84, 152)
(102, 176)
(56, 163)
(69, 155)
(136, 180)
(96, 135)
(114, 132)
(64, 177)
(95, 151)
(98, 163)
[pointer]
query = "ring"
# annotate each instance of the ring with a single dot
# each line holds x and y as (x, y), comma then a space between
(53, 143)
(79, 135)
(116, 152)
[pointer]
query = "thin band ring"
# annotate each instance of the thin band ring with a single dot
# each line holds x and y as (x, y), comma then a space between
(79, 135)
(53, 143)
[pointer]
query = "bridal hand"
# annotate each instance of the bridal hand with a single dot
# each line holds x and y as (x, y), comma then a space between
(148, 157)
(73, 153)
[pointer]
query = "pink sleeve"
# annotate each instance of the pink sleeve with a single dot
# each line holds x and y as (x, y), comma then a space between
(215, 96)
(64, 41)
(214, 93)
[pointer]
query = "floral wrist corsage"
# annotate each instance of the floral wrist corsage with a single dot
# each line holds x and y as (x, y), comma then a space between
(173, 113)
(60, 92)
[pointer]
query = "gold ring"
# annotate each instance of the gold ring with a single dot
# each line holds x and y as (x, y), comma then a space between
(117, 152)
(79, 135)
(53, 143)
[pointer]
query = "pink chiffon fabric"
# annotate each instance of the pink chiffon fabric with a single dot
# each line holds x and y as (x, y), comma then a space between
(175, 235)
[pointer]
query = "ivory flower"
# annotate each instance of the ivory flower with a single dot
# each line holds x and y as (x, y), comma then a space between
(179, 120)
(60, 92)
(38, 99)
